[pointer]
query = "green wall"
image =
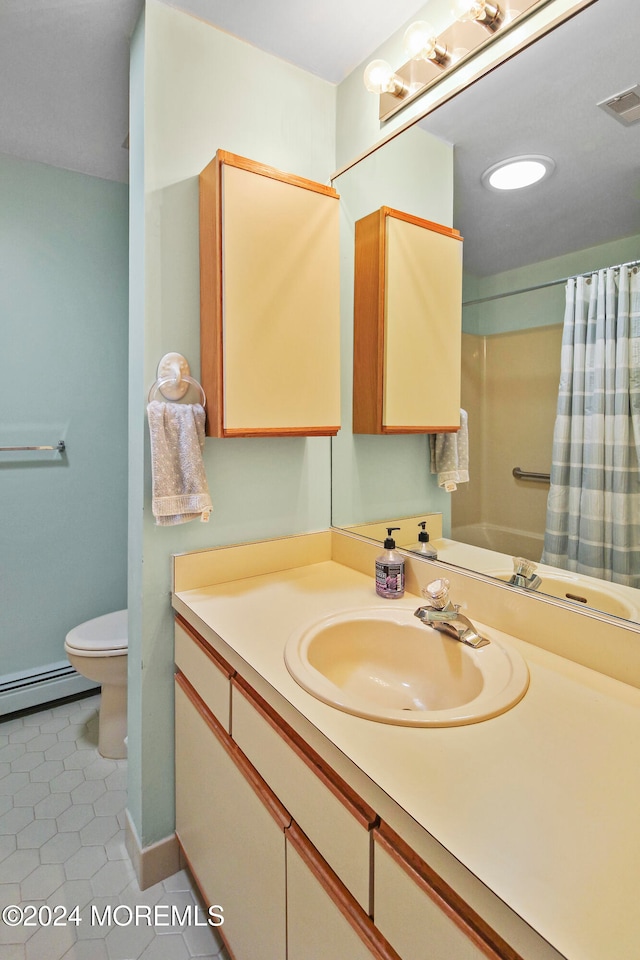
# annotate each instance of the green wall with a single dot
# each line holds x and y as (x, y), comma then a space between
(63, 309)
(377, 477)
(538, 308)
(194, 90)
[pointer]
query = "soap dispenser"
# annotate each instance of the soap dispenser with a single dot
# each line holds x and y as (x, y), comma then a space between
(423, 547)
(390, 570)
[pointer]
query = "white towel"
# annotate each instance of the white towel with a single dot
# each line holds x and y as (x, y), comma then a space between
(450, 456)
(179, 482)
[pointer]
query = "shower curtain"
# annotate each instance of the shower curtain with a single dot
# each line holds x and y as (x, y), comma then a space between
(593, 510)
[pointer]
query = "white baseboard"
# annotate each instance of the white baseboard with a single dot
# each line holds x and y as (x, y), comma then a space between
(153, 863)
(31, 688)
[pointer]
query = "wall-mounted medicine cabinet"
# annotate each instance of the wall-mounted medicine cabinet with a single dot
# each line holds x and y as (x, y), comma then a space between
(407, 325)
(270, 307)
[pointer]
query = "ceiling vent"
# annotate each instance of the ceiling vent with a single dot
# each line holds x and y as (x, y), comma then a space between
(625, 106)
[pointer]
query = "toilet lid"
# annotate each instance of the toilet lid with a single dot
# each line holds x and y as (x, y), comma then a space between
(102, 635)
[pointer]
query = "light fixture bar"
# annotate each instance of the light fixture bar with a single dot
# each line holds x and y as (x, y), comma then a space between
(461, 41)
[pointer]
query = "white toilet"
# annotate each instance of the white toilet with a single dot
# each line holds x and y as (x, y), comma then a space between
(98, 650)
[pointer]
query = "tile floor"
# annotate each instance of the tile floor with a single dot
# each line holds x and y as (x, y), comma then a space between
(62, 845)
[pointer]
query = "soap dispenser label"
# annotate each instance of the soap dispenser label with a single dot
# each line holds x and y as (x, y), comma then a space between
(389, 578)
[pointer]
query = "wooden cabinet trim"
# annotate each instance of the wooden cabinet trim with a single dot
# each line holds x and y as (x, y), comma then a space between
(419, 222)
(360, 810)
(212, 292)
(369, 294)
(283, 432)
(371, 341)
(212, 654)
(444, 896)
(340, 895)
(422, 429)
(243, 163)
(262, 789)
(211, 295)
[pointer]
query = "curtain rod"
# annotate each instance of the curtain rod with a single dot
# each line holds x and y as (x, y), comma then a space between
(541, 286)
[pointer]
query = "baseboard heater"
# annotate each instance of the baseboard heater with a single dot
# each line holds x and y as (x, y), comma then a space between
(30, 688)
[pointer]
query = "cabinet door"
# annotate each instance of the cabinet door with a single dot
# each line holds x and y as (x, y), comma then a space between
(207, 672)
(407, 325)
(323, 919)
(420, 915)
(231, 830)
(336, 820)
(270, 305)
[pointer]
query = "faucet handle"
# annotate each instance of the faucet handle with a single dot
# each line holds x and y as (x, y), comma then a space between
(438, 592)
(524, 568)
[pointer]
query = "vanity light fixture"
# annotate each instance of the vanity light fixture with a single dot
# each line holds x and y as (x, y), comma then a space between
(472, 26)
(488, 15)
(421, 43)
(517, 172)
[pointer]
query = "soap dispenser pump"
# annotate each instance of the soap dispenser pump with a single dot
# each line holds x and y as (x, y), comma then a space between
(390, 570)
(423, 547)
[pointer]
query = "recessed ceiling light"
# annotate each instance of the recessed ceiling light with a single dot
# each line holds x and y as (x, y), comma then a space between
(517, 172)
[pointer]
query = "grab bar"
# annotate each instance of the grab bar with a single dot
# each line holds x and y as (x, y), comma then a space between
(60, 447)
(527, 475)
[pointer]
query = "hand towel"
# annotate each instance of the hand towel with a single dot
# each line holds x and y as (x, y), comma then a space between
(450, 456)
(179, 483)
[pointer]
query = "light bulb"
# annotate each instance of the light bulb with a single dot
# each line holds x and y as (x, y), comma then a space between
(421, 43)
(466, 10)
(380, 78)
(419, 40)
(487, 14)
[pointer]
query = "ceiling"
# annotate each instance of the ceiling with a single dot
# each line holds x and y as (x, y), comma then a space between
(64, 82)
(544, 101)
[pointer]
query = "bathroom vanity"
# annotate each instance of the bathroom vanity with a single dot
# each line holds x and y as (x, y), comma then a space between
(322, 833)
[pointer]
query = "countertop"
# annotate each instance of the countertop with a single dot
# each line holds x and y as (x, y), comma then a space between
(540, 803)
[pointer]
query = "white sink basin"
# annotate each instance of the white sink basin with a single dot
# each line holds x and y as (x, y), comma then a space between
(383, 664)
(582, 590)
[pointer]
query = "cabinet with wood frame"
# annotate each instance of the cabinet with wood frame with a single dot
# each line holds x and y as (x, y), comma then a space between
(237, 834)
(269, 301)
(407, 325)
(279, 897)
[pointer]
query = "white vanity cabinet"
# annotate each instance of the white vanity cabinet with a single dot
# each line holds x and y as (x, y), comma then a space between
(323, 918)
(407, 325)
(333, 816)
(269, 302)
(232, 831)
(302, 866)
(420, 914)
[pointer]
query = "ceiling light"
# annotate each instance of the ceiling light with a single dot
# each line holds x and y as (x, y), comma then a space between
(380, 78)
(421, 43)
(517, 172)
(488, 15)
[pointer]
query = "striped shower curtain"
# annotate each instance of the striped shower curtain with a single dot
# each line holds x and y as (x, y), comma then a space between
(593, 511)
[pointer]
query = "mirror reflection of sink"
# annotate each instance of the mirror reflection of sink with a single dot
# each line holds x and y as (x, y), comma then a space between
(383, 664)
(589, 593)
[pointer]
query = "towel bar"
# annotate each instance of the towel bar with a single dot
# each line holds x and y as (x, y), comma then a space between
(60, 446)
(527, 475)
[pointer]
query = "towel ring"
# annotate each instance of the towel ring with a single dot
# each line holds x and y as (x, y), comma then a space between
(174, 379)
(161, 385)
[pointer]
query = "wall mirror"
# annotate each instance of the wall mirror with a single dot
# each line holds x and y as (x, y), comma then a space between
(550, 99)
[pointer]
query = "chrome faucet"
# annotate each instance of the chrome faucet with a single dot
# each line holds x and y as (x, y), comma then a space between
(524, 574)
(443, 615)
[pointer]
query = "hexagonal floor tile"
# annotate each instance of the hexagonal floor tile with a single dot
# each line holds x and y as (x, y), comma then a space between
(85, 863)
(35, 834)
(60, 847)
